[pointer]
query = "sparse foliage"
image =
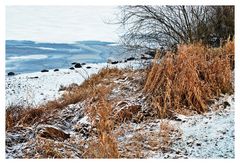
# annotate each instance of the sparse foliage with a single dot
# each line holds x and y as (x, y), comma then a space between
(150, 27)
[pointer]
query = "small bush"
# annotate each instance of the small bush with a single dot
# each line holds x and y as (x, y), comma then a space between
(189, 78)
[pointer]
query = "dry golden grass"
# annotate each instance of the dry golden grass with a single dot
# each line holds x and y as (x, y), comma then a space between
(90, 87)
(27, 116)
(189, 78)
(105, 144)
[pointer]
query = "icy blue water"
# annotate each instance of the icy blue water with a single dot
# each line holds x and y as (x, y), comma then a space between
(29, 56)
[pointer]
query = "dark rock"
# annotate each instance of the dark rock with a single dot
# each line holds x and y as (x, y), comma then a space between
(88, 67)
(131, 58)
(198, 144)
(144, 57)
(151, 53)
(74, 63)
(114, 62)
(44, 70)
(83, 63)
(72, 68)
(35, 77)
(11, 73)
(78, 65)
(55, 70)
(175, 118)
(226, 104)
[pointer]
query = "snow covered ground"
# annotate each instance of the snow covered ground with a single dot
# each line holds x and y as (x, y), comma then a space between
(209, 135)
(39, 87)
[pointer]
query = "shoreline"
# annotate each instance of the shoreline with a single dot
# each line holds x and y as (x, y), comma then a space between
(37, 88)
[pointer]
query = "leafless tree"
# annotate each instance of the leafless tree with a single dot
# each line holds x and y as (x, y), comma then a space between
(149, 27)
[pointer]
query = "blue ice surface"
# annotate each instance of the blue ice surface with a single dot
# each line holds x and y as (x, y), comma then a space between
(20, 54)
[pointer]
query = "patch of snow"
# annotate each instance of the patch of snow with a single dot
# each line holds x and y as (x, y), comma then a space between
(207, 136)
(40, 87)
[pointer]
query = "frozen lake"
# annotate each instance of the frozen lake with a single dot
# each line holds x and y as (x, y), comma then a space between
(30, 56)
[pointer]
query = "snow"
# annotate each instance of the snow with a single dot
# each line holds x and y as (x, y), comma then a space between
(208, 135)
(39, 87)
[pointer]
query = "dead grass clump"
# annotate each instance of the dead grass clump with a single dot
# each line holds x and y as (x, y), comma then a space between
(31, 116)
(131, 112)
(90, 87)
(189, 78)
(13, 115)
(47, 149)
(18, 115)
(105, 144)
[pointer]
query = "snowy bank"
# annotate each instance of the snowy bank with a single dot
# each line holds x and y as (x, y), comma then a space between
(39, 87)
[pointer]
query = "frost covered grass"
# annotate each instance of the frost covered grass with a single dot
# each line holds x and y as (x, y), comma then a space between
(190, 78)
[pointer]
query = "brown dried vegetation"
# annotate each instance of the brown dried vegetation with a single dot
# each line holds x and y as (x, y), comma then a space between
(189, 78)
(183, 82)
(105, 143)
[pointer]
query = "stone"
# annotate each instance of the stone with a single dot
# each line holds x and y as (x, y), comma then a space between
(131, 58)
(114, 62)
(11, 73)
(44, 70)
(78, 65)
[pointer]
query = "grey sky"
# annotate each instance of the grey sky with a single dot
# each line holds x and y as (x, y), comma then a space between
(60, 23)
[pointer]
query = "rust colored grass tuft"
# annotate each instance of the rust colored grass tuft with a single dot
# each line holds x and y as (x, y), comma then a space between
(90, 88)
(189, 78)
(105, 145)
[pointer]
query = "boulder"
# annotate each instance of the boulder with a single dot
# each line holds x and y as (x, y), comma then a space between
(44, 70)
(88, 67)
(131, 58)
(78, 65)
(55, 70)
(72, 68)
(83, 63)
(74, 63)
(114, 62)
(11, 73)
